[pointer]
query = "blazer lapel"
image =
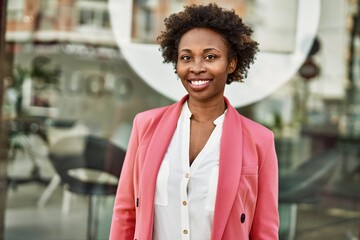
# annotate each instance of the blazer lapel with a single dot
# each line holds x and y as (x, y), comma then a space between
(229, 170)
(157, 148)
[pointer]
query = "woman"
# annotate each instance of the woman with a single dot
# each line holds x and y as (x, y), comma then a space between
(197, 169)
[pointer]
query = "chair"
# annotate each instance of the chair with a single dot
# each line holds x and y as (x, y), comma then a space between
(65, 153)
(304, 184)
(93, 173)
(66, 139)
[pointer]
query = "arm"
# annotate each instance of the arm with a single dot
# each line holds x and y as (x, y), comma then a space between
(266, 218)
(123, 219)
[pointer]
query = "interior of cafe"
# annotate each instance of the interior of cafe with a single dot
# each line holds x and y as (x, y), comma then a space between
(74, 73)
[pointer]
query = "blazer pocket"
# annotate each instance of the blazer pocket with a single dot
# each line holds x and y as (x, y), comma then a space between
(249, 170)
(161, 192)
(211, 196)
(248, 189)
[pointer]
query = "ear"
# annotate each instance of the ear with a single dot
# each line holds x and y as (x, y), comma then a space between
(232, 65)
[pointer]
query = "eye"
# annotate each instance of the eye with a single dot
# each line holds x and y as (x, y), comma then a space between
(210, 57)
(185, 58)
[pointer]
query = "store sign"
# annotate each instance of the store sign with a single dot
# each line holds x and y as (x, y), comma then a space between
(91, 51)
(81, 50)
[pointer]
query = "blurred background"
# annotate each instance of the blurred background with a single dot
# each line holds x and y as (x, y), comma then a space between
(73, 74)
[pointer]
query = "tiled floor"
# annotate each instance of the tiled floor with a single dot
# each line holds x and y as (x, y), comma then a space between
(24, 220)
(325, 222)
(336, 215)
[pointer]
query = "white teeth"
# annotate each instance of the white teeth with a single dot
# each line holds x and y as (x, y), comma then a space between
(201, 82)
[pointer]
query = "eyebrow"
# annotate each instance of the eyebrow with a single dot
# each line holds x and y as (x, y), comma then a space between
(205, 50)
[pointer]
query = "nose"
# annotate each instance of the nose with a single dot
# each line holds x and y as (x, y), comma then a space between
(197, 67)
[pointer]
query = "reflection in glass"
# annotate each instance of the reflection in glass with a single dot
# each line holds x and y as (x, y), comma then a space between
(94, 84)
(74, 83)
(123, 88)
(274, 30)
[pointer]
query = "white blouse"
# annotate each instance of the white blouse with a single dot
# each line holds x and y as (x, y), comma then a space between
(185, 195)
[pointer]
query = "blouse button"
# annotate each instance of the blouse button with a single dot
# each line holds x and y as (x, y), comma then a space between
(185, 231)
(242, 218)
(184, 203)
(187, 175)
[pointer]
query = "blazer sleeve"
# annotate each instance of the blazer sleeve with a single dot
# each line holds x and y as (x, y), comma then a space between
(266, 218)
(123, 219)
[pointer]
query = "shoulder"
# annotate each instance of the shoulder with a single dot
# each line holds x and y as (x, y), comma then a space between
(250, 129)
(150, 117)
(259, 140)
(156, 114)
(147, 121)
(254, 129)
(150, 114)
(254, 134)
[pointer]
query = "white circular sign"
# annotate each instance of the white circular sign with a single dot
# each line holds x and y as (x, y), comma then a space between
(270, 71)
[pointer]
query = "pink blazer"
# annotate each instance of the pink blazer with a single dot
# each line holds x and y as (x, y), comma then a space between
(246, 205)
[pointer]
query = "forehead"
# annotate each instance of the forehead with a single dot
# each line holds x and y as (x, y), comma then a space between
(202, 38)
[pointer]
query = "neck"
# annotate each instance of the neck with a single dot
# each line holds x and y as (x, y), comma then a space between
(206, 111)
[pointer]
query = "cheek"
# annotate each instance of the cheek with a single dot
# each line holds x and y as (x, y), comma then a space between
(181, 71)
(222, 71)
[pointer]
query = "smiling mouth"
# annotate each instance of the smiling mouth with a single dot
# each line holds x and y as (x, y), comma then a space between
(199, 82)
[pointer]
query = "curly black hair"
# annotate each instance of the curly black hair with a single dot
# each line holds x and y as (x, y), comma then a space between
(223, 21)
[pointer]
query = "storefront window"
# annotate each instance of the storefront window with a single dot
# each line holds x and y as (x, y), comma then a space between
(15, 10)
(80, 68)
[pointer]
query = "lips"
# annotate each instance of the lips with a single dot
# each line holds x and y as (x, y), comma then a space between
(199, 82)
